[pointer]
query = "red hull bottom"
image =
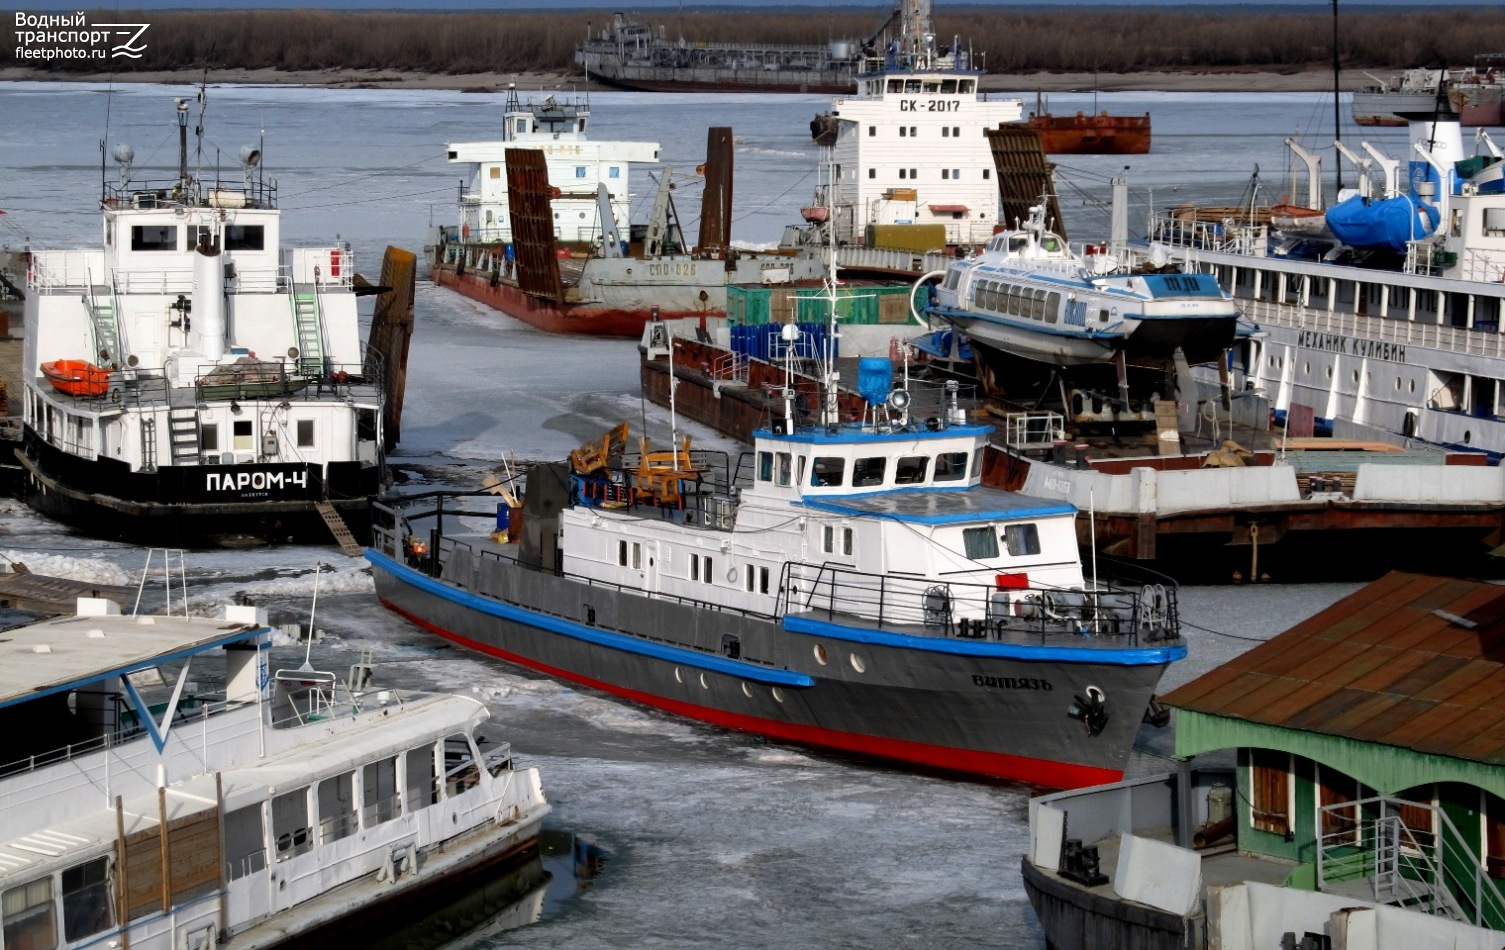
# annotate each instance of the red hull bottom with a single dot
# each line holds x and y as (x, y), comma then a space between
(985, 765)
(587, 319)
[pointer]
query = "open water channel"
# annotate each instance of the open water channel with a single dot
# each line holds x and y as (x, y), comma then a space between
(711, 837)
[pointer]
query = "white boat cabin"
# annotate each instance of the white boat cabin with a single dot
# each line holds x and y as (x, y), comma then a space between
(579, 169)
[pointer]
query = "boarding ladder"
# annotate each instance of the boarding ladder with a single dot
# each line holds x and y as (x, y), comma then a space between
(338, 528)
(1374, 855)
(183, 436)
(306, 330)
(105, 322)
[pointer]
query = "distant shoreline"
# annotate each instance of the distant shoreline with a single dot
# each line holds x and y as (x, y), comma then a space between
(1313, 80)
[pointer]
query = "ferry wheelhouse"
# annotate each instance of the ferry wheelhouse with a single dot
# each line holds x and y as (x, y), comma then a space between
(219, 388)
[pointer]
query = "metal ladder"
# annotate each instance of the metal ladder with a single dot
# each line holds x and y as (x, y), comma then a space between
(306, 329)
(106, 324)
(183, 435)
(338, 528)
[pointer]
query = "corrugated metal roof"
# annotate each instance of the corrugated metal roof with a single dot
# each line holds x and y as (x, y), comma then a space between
(1388, 664)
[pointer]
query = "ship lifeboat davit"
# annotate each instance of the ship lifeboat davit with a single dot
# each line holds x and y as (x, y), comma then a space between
(1390, 224)
(77, 377)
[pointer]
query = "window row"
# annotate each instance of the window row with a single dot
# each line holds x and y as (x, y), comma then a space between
(981, 544)
(165, 237)
(947, 174)
(830, 471)
(1034, 303)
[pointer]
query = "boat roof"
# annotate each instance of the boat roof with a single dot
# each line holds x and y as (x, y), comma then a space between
(851, 435)
(940, 506)
(1409, 661)
(63, 654)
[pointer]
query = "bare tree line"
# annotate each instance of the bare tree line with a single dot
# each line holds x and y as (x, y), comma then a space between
(1006, 40)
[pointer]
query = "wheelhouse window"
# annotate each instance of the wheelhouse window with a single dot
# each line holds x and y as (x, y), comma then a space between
(981, 544)
(461, 773)
(1270, 791)
(245, 237)
(951, 466)
(869, 471)
(910, 469)
(828, 471)
(1021, 539)
(781, 472)
(765, 466)
(154, 237)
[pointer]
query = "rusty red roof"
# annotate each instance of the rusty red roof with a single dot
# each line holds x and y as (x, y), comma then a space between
(1410, 660)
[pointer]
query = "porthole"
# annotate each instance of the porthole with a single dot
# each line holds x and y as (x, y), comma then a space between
(747, 691)
(1355, 376)
(678, 676)
(858, 663)
(1329, 372)
(703, 683)
(1413, 386)
(778, 694)
(1468, 436)
(1397, 384)
(820, 654)
(1306, 368)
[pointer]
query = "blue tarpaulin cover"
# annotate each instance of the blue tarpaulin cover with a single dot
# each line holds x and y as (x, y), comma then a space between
(1363, 222)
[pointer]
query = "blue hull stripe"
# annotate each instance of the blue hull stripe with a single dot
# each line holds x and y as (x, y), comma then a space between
(579, 631)
(1147, 656)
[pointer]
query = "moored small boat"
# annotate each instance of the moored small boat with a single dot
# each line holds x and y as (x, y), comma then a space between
(1092, 134)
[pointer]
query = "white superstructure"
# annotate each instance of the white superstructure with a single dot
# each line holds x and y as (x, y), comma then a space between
(911, 146)
(142, 812)
(207, 366)
(578, 168)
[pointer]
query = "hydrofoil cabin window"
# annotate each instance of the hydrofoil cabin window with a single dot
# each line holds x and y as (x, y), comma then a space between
(460, 770)
(423, 791)
(1021, 539)
(910, 469)
(245, 237)
(981, 544)
(337, 807)
(828, 471)
(951, 466)
(154, 237)
(379, 798)
(290, 827)
(1270, 791)
(245, 842)
(869, 471)
(87, 907)
(28, 919)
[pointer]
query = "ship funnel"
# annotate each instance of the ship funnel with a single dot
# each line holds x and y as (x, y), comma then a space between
(250, 156)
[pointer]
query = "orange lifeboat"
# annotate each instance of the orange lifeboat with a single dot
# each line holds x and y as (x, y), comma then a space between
(77, 377)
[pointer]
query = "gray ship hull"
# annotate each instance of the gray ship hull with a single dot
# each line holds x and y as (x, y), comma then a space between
(984, 708)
